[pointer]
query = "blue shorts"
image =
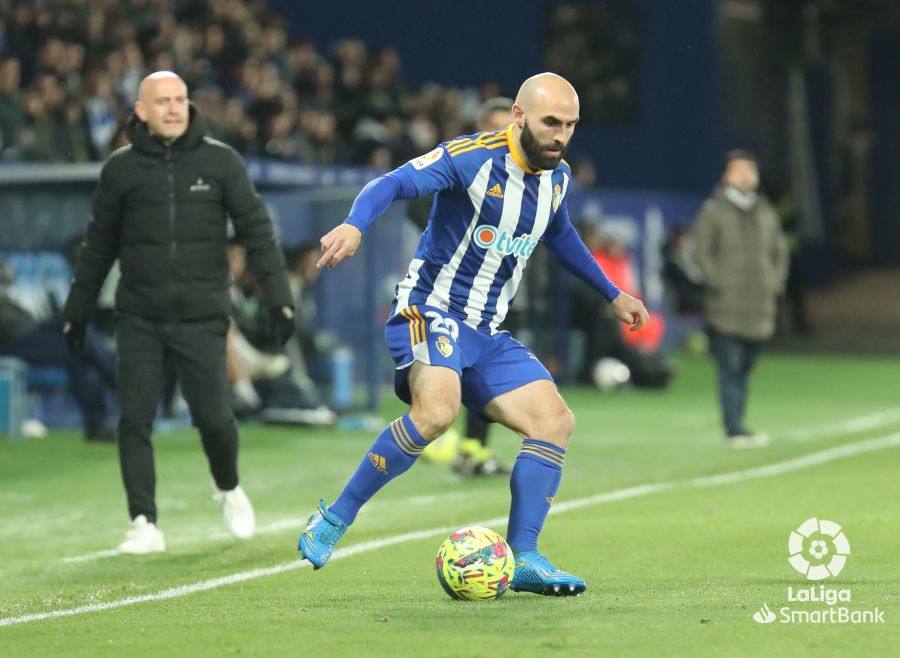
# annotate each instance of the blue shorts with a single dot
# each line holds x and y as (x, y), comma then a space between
(487, 365)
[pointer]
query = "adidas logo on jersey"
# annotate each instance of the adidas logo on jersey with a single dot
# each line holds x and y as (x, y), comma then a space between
(496, 191)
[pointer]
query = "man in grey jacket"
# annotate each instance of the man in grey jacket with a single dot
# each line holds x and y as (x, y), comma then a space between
(743, 253)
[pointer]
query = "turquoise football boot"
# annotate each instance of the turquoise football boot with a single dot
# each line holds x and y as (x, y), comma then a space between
(534, 573)
(323, 530)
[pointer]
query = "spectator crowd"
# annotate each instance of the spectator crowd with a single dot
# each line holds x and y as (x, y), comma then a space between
(70, 69)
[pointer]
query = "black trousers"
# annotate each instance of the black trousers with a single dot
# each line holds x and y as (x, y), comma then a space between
(735, 358)
(196, 350)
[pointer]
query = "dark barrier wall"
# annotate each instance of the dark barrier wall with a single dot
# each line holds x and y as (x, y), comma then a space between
(675, 144)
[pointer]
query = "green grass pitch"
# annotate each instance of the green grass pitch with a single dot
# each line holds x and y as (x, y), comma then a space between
(674, 568)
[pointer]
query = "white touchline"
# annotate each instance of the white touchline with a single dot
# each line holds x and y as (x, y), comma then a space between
(865, 423)
(266, 529)
(805, 461)
(852, 425)
(263, 529)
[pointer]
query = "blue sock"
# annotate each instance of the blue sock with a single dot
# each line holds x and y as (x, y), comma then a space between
(533, 484)
(394, 451)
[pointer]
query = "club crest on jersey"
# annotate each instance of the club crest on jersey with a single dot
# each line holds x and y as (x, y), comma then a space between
(489, 237)
(557, 197)
(428, 159)
(444, 346)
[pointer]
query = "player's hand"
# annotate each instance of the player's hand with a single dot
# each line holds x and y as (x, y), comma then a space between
(339, 243)
(74, 333)
(281, 324)
(630, 311)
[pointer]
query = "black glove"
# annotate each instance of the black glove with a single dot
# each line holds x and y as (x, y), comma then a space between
(281, 324)
(74, 334)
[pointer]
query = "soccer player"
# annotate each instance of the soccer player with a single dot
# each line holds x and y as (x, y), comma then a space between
(499, 194)
(473, 456)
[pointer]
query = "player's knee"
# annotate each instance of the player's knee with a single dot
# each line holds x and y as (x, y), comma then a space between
(435, 417)
(566, 423)
(555, 426)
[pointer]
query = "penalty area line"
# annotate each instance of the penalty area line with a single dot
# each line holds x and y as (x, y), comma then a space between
(778, 468)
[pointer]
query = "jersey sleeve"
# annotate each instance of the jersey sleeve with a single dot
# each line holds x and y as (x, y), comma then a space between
(571, 252)
(432, 172)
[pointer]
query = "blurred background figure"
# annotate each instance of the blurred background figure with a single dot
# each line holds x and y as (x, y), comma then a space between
(630, 357)
(682, 272)
(91, 380)
(683, 280)
(743, 253)
(269, 381)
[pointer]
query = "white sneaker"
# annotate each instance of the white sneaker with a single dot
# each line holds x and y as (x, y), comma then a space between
(142, 537)
(742, 441)
(237, 511)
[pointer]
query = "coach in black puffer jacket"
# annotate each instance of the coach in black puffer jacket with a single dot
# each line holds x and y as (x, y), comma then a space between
(162, 207)
(162, 210)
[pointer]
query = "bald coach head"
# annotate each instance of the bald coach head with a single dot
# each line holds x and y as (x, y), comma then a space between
(163, 105)
(545, 114)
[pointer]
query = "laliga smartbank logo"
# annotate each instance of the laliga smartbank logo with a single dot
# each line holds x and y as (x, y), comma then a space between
(818, 549)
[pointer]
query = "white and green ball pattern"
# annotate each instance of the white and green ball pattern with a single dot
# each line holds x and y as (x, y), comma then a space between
(475, 563)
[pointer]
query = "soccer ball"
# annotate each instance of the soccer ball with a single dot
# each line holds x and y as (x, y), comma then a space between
(475, 563)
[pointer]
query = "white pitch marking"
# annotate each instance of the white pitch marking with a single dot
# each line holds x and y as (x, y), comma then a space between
(812, 459)
(804, 461)
(859, 424)
(871, 421)
(267, 529)
(87, 557)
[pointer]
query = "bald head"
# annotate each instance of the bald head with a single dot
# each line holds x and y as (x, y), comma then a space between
(545, 113)
(547, 90)
(163, 105)
(150, 84)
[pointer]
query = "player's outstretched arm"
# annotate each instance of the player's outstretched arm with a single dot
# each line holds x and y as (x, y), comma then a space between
(342, 241)
(571, 252)
(423, 175)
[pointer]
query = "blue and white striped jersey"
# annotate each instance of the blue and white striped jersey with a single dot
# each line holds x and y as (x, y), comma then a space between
(489, 214)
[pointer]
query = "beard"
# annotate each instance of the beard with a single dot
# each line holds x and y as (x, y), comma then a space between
(536, 153)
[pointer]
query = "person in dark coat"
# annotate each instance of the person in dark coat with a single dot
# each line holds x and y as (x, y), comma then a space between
(743, 253)
(161, 207)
